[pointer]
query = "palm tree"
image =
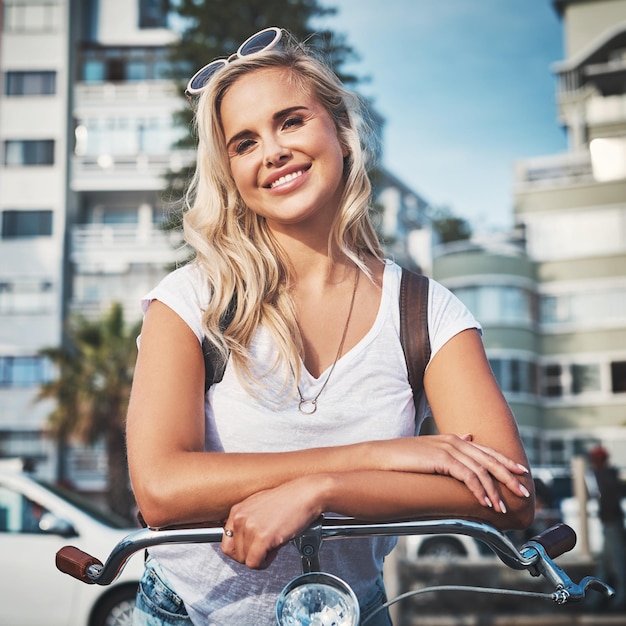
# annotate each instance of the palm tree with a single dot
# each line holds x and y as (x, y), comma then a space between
(91, 391)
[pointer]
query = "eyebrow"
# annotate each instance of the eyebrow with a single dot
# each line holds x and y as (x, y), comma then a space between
(278, 115)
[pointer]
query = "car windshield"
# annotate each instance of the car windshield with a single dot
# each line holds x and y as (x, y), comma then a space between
(86, 506)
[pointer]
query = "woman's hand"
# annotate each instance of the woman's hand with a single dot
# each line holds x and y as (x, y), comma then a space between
(264, 522)
(482, 469)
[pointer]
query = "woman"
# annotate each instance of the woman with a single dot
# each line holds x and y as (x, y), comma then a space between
(314, 413)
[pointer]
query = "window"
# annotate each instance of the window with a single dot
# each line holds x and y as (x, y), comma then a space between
(585, 307)
(20, 224)
(27, 296)
(552, 386)
(585, 378)
(618, 376)
(27, 445)
(127, 64)
(32, 17)
(120, 215)
(29, 152)
(516, 371)
(126, 135)
(153, 13)
(576, 234)
(553, 309)
(498, 304)
(515, 375)
(573, 379)
(24, 371)
(29, 83)
(556, 452)
(19, 514)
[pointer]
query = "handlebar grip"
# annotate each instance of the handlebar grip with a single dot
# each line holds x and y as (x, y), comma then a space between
(76, 563)
(557, 540)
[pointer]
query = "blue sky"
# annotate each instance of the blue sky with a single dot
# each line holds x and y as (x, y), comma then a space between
(466, 88)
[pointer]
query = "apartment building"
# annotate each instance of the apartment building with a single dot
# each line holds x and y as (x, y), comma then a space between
(573, 209)
(86, 130)
(497, 280)
(34, 197)
(124, 132)
(554, 306)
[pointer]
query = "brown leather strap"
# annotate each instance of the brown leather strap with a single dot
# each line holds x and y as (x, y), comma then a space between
(414, 335)
(214, 362)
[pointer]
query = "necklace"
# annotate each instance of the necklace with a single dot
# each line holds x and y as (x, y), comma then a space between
(309, 406)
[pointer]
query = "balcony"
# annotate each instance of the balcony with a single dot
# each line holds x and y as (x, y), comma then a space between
(554, 170)
(108, 249)
(127, 94)
(126, 172)
(607, 110)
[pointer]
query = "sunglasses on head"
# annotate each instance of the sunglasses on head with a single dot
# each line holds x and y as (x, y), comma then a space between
(262, 41)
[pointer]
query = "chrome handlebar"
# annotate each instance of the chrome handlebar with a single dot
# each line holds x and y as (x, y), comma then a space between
(536, 556)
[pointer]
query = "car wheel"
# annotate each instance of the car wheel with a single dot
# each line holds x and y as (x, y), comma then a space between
(442, 548)
(115, 609)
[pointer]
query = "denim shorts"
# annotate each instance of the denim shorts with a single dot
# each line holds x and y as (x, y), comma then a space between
(158, 604)
(374, 599)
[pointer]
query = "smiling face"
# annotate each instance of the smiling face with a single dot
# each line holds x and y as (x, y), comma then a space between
(284, 153)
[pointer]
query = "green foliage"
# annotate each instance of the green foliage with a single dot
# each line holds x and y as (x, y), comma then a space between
(450, 227)
(216, 28)
(95, 373)
(91, 392)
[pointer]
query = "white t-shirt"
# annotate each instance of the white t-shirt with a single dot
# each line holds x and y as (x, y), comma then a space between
(367, 398)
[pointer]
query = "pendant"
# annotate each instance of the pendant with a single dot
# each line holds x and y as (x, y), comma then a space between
(308, 407)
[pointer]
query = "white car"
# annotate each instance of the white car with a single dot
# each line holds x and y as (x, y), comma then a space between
(35, 521)
(445, 547)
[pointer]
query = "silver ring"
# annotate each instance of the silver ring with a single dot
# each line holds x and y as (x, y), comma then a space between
(228, 532)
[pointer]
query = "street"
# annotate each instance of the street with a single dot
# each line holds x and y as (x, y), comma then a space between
(468, 608)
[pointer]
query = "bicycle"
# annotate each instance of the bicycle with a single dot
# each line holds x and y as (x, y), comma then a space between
(316, 598)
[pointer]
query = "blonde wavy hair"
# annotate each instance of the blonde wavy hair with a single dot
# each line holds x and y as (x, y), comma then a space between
(246, 269)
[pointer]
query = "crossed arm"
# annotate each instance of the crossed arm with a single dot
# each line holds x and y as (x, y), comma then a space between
(476, 467)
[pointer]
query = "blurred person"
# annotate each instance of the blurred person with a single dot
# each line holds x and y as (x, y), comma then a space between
(612, 562)
(314, 412)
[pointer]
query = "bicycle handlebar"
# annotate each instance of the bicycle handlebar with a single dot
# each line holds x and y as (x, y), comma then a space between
(533, 556)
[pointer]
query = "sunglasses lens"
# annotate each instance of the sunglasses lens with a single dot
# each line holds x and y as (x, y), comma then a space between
(201, 78)
(264, 40)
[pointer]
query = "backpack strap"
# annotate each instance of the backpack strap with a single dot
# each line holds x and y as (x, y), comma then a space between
(414, 335)
(214, 363)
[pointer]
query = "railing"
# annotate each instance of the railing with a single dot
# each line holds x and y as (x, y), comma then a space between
(89, 235)
(127, 171)
(88, 93)
(558, 168)
(606, 110)
(103, 245)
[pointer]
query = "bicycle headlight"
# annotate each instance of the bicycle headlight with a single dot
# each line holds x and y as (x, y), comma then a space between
(317, 599)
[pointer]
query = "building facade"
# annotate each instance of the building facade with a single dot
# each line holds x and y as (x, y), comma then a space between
(568, 276)
(573, 209)
(34, 200)
(497, 281)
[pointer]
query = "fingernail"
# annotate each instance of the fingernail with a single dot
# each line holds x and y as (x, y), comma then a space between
(524, 491)
(488, 502)
(523, 468)
(502, 507)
